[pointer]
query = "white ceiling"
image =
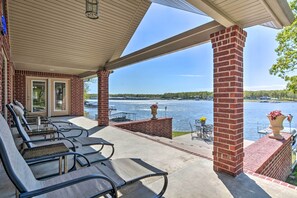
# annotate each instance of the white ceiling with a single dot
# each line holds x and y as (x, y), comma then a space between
(56, 36)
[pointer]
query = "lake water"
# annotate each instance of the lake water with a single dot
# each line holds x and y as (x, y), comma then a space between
(185, 111)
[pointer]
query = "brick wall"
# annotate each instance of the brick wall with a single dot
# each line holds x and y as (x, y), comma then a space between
(270, 157)
(160, 127)
(4, 44)
(228, 47)
(103, 101)
(77, 88)
(1, 86)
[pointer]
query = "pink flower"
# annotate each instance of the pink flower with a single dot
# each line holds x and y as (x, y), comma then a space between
(274, 114)
(154, 106)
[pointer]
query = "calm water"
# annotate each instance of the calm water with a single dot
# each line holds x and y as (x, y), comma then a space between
(185, 111)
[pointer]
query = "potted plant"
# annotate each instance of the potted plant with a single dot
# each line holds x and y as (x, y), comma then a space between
(202, 120)
(154, 109)
(276, 119)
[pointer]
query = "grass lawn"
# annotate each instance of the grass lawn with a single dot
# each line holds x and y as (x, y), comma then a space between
(293, 181)
(179, 133)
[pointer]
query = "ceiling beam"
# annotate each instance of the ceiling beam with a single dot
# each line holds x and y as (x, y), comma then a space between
(213, 12)
(88, 74)
(193, 37)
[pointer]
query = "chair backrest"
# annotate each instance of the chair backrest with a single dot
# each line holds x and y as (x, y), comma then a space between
(191, 127)
(19, 111)
(19, 104)
(19, 126)
(208, 128)
(15, 166)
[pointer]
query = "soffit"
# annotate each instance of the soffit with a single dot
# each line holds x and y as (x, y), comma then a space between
(245, 13)
(55, 35)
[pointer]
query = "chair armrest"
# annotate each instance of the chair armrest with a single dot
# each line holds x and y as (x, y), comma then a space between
(50, 139)
(60, 121)
(69, 183)
(64, 130)
(41, 158)
(42, 122)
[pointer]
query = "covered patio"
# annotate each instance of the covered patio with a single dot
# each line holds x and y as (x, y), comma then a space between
(189, 175)
(55, 51)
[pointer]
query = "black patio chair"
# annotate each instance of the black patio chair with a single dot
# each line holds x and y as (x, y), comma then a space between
(26, 112)
(82, 147)
(195, 133)
(60, 130)
(59, 125)
(92, 181)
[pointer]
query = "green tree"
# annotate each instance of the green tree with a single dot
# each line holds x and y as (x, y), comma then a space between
(287, 52)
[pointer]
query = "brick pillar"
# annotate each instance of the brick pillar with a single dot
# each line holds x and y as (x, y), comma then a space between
(103, 95)
(77, 96)
(228, 47)
(20, 86)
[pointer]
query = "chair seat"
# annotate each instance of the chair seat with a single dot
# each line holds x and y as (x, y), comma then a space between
(84, 189)
(87, 141)
(45, 143)
(129, 169)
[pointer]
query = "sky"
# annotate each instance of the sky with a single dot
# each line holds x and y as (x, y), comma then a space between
(191, 69)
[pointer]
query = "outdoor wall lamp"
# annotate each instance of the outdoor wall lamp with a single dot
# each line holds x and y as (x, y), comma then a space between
(92, 9)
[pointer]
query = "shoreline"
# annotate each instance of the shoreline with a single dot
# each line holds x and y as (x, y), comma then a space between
(245, 100)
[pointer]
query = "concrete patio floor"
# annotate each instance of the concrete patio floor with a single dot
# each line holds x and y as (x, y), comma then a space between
(190, 176)
(190, 143)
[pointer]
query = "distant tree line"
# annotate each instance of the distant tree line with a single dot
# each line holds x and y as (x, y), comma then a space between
(279, 94)
(205, 95)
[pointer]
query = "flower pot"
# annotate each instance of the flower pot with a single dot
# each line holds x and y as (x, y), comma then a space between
(202, 123)
(154, 113)
(276, 126)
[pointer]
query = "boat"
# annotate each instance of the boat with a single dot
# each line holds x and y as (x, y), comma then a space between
(275, 100)
(265, 99)
(94, 103)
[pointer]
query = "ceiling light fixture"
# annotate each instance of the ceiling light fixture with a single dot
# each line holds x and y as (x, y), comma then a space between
(92, 9)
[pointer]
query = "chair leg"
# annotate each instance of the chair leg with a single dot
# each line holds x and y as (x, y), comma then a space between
(17, 193)
(163, 188)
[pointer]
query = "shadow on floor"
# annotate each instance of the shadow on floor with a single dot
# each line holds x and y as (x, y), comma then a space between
(137, 190)
(95, 129)
(242, 186)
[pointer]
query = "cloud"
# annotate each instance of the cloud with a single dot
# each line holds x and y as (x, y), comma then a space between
(265, 87)
(190, 75)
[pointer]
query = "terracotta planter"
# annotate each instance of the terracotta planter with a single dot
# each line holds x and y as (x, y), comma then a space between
(154, 113)
(276, 126)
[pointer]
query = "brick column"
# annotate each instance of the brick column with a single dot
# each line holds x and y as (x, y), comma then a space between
(20, 87)
(228, 47)
(103, 118)
(77, 96)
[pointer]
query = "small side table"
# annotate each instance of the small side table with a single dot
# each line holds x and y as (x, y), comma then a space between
(47, 150)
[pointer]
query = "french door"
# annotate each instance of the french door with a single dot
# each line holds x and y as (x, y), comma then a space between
(60, 97)
(48, 96)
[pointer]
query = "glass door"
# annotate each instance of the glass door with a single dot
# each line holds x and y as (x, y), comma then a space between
(37, 96)
(60, 97)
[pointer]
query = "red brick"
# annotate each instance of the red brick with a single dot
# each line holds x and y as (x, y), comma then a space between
(103, 101)
(228, 108)
(160, 127)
